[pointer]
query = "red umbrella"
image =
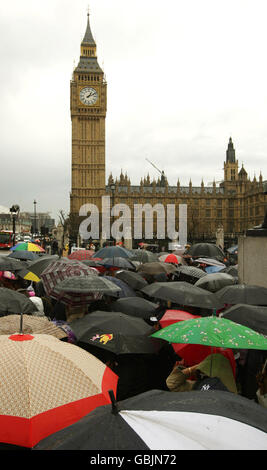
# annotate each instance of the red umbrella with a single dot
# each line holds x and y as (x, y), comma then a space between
(193, 353)
(171, 258)
(81, 254)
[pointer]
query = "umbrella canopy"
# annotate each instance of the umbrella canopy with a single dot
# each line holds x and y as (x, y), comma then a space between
(205, 250)
(213, 331)
(216, 281)
(61, 269)
(210, 262)
(233, 249)
(135, 306)
(10, 324)
(35, 268)
(232, 270)
(81, 255)
(79, 290)
(193, 353)
(125, 290)
(182, 293)
(13, 302)
(189, 274)
(156, 268)
(252, 316)
(9, 264)
(115, 332)
(39, 394)
(170, 256)
(160, 420)
(144, 256)
(213, 269)
(111, 251)
(133, 279)
(243, 294)
(24, 255)
(117, 262)
(27, 246)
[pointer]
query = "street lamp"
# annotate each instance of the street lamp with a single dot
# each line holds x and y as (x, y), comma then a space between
(34, 226)
(14, 210)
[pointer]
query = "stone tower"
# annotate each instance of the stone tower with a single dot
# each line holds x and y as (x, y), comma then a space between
(88, 104)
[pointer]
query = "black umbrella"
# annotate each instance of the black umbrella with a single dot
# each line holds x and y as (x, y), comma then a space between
(40, 264)
(189, 274)
(252, 316)
(243, 294)
(9, 264)
(182, 293)
(13, 302)
(115, 332)
(156, 267)
(144, 256)
(134, 280)
(24, 255)
(162, 420)
(135, 306)
(205, 250)
(111, 251)
(125, 290)
(118, 262)
(215, 281)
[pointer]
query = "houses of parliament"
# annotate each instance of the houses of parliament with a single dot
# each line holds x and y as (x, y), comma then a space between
(236, 204)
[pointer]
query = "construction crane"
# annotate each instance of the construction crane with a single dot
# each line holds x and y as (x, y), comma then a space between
(163, 177)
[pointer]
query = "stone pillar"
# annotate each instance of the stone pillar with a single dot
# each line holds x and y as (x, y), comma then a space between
(252, 258)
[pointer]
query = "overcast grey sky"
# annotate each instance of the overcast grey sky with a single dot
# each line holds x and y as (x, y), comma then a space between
(183, 76)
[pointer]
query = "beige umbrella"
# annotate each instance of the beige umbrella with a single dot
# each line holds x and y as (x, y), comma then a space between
(11, 324)
(46, 385)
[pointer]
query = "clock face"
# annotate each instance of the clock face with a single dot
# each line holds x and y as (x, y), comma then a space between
(88, 96)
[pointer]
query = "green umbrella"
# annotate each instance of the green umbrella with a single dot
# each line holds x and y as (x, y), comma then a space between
(213, 331)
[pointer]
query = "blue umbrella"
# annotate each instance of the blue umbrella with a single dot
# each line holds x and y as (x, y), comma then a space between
(126, 291)
(214, 269)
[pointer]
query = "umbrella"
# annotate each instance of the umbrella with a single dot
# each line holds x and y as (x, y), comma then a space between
(61, 269)
(233, 249)
(209, 262)
(79, 290)
(156, 268)
(9, 264)
(172, 258)
(135, 306)
(161, 420)
(111, 251)
(252, 316)
(11, 324)
(27, 246)
(13, 302)
(125, 289)
(24, 255)
(243, 294)
(189, 273)
(182, 293)
(117, 262)
(232, 270)
(213, 331)
(46, 385)
(133, 279)
(115, 332)
(81, 255)
(144, 256)
(208, 250)
(193, 353)
(216, 281)
(213, 269)
(35, 268)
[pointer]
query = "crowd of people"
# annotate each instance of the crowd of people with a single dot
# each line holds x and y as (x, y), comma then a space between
(164, 370)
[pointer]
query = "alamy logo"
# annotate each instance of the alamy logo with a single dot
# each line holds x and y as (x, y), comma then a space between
(142, 225)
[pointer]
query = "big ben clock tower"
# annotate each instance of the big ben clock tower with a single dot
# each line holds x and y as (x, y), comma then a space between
(88, 103)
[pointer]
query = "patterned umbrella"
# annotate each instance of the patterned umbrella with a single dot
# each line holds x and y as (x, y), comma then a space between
(81, 255)
(11, 324)
(46, 385)
(61, 269)
(213, 331)
(27, 246)
(79, 290)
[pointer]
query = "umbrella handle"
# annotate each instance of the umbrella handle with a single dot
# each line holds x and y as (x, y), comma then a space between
(114, 410)
(21, 324)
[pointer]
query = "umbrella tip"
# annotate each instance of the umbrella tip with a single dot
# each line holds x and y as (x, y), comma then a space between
(115, 409)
